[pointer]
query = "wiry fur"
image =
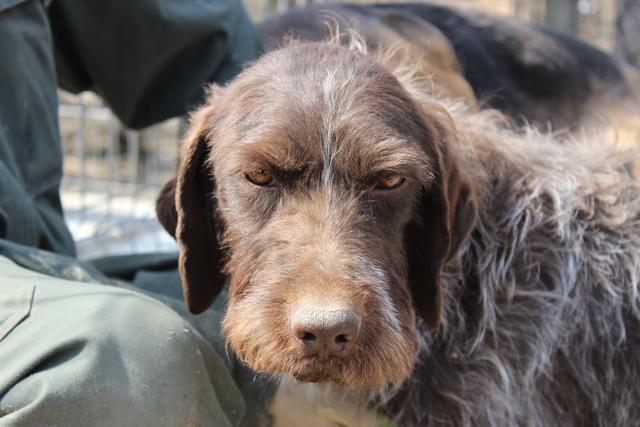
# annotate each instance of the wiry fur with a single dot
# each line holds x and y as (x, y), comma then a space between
(541, 323)
(536, 310)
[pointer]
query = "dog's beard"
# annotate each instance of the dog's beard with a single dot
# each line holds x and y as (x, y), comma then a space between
(258, 332)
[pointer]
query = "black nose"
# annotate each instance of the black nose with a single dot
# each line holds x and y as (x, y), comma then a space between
(330, 332)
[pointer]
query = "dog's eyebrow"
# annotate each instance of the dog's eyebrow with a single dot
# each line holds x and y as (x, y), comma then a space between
(391, 154)
(280, 153)
(403, 165)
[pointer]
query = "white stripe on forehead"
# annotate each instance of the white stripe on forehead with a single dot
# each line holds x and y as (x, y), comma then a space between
(336, 103)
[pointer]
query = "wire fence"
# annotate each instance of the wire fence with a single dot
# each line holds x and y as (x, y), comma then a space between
(113, 174)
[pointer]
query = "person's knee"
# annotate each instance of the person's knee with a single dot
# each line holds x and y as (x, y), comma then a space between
(148, 354)
(136, 330)
(101, 353)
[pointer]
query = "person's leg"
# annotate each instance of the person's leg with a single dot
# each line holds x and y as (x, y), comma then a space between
(84, 354)
(77, 353)
(30, 151)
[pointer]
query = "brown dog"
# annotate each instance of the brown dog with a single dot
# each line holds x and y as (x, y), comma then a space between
(316, 189)
(338, 199)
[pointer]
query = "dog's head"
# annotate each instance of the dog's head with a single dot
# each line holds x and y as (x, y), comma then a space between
(325, 193)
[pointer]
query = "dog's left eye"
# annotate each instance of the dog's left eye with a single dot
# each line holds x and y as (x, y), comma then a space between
(389, 182)
(261, 177)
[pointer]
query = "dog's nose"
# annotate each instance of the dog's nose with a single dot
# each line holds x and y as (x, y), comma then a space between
(325, 331)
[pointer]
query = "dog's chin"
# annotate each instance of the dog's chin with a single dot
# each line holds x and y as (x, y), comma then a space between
(308, 369)
(313, 369)
(317, 376)
(332, 370)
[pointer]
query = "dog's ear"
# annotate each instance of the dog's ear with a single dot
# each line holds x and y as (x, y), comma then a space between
(446, 215)
(186, 208)
(166, 207)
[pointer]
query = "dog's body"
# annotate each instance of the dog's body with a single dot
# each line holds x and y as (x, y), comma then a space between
(374, 236)
(541, 323)
(531, 74)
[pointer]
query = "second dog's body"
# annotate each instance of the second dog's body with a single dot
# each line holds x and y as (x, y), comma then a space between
(530, 74)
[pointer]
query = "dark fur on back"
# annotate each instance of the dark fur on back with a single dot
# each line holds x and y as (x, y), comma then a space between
(526, 71)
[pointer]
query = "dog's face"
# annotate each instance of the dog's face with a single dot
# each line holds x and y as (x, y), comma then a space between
(324, 193)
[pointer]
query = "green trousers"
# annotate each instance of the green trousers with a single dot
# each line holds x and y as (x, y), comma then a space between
(78, 348)
(79, 354)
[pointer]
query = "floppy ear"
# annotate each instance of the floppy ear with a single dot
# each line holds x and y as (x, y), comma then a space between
(186, 208)
(166, 207)
(445, 217)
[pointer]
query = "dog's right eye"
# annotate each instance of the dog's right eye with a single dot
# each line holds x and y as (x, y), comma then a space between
(389, 181)
(260, 177)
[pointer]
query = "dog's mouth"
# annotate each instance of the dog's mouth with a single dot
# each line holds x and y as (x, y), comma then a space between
(320, 369)
(356, 370)
(315, 377)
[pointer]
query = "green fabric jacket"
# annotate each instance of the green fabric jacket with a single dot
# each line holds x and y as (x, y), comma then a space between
(148, 59)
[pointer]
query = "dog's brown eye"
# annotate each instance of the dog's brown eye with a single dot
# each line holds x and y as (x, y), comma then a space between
(261, 177)
(388, 182)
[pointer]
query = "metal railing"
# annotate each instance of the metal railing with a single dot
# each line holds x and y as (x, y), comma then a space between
(112, 176)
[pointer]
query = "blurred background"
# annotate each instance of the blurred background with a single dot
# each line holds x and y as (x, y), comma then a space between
(112, 174)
